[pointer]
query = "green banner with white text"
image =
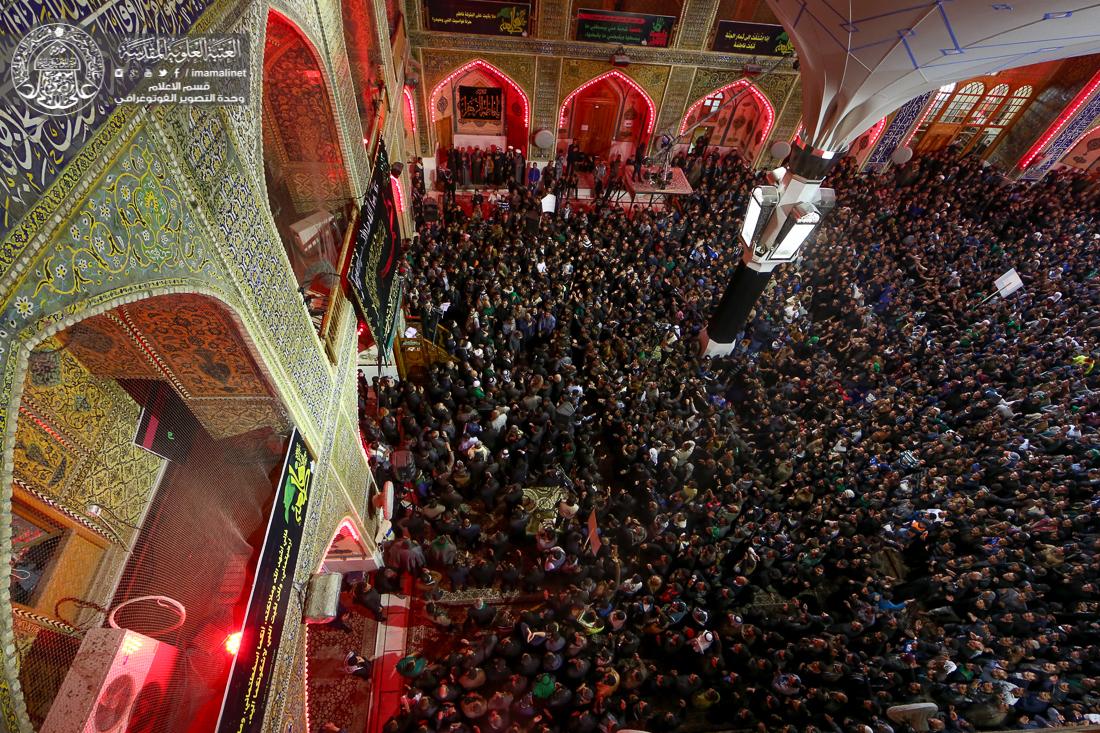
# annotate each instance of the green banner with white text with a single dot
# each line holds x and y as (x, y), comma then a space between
(249, 683)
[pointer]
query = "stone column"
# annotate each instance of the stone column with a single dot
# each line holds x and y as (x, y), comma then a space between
(544, 107)
(695, 23)
(553, 19)
(675, 100)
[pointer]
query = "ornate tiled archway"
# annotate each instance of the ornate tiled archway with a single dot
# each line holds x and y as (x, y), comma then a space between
(517, 103)
(614, 74)
(36, 413)
(753, 109)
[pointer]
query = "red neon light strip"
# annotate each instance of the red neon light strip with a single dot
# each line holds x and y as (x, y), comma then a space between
(47, 428)
(350, 527)
(1058, 124)
(927, 108)
(764, 101)
(876, 132)
(398, 192)
(490, 69)
(651, 118)
(410, 108)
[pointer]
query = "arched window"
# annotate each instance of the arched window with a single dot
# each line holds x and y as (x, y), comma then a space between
(961, 104)
(1011, 108)
(984, 111)
(712, 103)
(940, 99)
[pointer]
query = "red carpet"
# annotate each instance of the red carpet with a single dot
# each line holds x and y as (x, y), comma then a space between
(389, 649)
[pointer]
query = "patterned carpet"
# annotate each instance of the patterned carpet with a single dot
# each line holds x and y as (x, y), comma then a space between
(430, 640)
(339, 698)
(335, 695)
(546, 500)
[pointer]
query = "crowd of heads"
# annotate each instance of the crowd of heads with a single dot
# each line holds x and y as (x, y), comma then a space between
(472, 165)
(885, 495)
(476, 168)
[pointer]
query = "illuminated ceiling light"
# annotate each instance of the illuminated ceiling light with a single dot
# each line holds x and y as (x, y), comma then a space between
(769, 110)
(802, 220)
(410, 108)
(651, 118)
(1058, 124)
(761, 204)
(233, 643)
(489, 69)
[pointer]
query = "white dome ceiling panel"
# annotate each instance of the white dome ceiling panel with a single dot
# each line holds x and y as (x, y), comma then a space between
(863, 59)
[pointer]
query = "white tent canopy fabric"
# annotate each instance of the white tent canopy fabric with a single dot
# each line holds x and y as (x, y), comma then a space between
(863, 59)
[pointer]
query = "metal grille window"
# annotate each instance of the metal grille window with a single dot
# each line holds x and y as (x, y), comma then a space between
(961, 104)
(940, 99)
(989, 104)
(712, 103)
(1011, 108)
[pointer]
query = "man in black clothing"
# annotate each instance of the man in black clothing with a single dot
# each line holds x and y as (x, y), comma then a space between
(638, 160)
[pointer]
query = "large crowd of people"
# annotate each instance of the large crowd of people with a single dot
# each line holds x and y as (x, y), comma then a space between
(886, 494)
(476, 168)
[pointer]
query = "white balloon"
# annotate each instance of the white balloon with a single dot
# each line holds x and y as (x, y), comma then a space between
(781, 149)
(902, 155)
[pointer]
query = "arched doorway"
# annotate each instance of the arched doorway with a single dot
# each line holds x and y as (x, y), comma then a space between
(607, 116)
(147, 447)
(743, 121)
(304, 167)
(478, 105)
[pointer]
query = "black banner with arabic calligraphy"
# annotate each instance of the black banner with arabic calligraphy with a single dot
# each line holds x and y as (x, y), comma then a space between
(376, 255)
(626, 29)
(757, 39)
(484, 17)
(480, 103)
(250, 679)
